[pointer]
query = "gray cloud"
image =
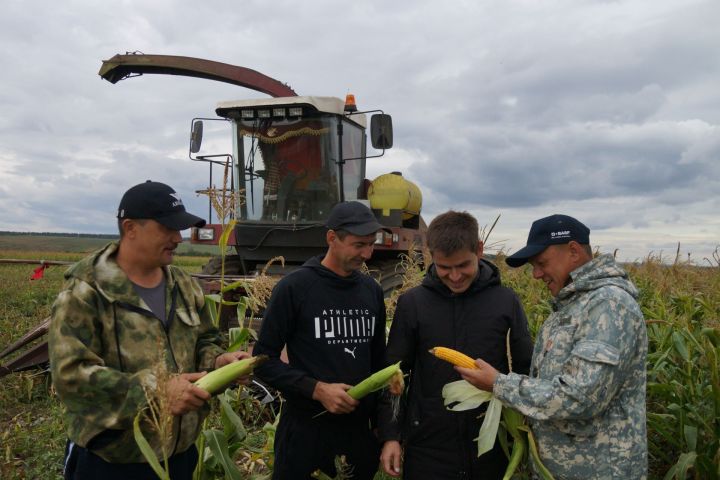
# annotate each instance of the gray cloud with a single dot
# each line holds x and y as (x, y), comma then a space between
(606, 110)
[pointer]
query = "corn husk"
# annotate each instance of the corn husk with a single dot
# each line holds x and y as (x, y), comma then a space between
(218, 379)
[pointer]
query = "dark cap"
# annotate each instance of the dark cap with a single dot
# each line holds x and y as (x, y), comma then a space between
(353, 217)
(552, 230)
(159, 202)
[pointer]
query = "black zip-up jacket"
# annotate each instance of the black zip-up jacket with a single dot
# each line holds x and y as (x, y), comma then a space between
(334, 328)
(438, 443)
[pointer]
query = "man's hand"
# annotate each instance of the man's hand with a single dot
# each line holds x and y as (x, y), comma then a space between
(230, 357)
(482, 378)
(334, 397)
(391, 458)
(183, 396)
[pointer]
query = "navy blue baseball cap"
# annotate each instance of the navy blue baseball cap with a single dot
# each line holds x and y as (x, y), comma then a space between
(553, 230)
(159, 202)
(353, 217)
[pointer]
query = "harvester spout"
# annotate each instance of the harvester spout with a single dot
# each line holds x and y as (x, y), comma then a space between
(120, 67)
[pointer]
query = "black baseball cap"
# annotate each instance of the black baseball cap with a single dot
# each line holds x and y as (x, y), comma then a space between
(353, 217)
(159, 202)
(553, 230)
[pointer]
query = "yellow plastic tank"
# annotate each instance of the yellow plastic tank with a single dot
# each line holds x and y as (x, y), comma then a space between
(392, 192)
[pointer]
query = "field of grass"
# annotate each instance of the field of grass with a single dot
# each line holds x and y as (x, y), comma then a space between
(32, 244)
(681, 304)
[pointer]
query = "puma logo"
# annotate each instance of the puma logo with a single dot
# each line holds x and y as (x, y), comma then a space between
(351, 352)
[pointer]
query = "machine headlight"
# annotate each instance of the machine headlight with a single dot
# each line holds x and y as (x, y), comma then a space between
(206, 234)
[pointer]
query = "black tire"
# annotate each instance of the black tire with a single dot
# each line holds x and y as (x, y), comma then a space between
(233, 266)
(389, 273)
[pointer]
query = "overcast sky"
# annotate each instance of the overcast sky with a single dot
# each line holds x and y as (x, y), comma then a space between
(608, 111)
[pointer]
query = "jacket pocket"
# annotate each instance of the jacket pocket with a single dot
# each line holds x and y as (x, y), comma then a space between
(594, 351)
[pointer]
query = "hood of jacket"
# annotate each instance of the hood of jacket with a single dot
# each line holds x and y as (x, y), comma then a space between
(488, 275)
(315, 264)
(601, 271)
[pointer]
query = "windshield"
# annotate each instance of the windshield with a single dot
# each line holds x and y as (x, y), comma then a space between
(290, 168)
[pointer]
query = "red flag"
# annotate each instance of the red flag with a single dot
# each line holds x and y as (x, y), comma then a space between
(39, 272)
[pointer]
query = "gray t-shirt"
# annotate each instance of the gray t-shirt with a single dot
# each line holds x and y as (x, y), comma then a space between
(154, 297)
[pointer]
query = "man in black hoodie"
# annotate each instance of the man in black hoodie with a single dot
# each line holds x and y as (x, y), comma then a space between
(331, 317)
(462, 305)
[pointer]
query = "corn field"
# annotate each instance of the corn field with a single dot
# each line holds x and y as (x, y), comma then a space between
(681, 303)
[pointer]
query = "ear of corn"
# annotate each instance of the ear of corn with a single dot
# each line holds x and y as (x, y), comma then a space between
(216, 380)
(374, 382)
(454, 357)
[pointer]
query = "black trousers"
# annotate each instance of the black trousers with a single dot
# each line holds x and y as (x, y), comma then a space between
(304, 444)
(82, 464)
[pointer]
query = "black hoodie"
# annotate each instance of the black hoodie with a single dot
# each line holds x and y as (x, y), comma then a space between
(334, 328)
(439, 443)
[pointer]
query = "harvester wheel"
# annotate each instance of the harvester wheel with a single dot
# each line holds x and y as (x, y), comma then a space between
(233, 266)
(389, 273)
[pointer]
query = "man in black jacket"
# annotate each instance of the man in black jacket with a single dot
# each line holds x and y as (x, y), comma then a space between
(462, 305)
(331, 317)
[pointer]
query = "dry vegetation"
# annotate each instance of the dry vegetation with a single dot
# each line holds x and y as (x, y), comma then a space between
(681, 303)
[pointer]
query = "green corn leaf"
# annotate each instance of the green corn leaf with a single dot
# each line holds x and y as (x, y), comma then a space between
(223, 240)
(680, 347)
(541, 468)
(681, 467)
(237, 337)
(147, 450)
(518, 452)
(489, 427)
(232, 423)
(691, 434)
(217, 443)
(464, 395)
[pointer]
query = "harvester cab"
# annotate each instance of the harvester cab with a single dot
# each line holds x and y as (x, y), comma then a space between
(293, 159)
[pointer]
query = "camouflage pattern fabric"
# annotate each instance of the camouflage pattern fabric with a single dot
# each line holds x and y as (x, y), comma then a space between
(102, 347)
(585, 396)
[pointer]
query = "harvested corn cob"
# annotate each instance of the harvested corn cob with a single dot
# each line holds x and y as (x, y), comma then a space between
(214, 381)
(454, 357)
(374, 382)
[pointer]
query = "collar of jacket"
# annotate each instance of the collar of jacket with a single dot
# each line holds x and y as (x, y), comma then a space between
(598, 272)
(101, 270)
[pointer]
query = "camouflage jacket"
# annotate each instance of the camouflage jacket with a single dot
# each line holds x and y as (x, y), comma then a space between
(103, 341)
(585, 396)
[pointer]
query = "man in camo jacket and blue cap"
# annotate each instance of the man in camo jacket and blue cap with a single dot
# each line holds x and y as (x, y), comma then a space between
(122, 311)
(585, 395)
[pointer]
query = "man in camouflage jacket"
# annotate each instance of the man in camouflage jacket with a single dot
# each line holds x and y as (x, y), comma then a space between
(107, 337)
(585, 395)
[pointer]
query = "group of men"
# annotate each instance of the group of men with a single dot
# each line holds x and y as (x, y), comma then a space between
(582, 385)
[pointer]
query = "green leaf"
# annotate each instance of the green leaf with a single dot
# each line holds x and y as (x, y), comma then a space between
(681, 467)
(465, 395)
(147, 450)
(232, 423)
(238, 337)
(489, 427)
(691, 434)
(680, 347)
(217, 443)
(223, 241)
(541, 468)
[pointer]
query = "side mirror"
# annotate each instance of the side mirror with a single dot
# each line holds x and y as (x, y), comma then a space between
(196, 136)
(381, 131)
